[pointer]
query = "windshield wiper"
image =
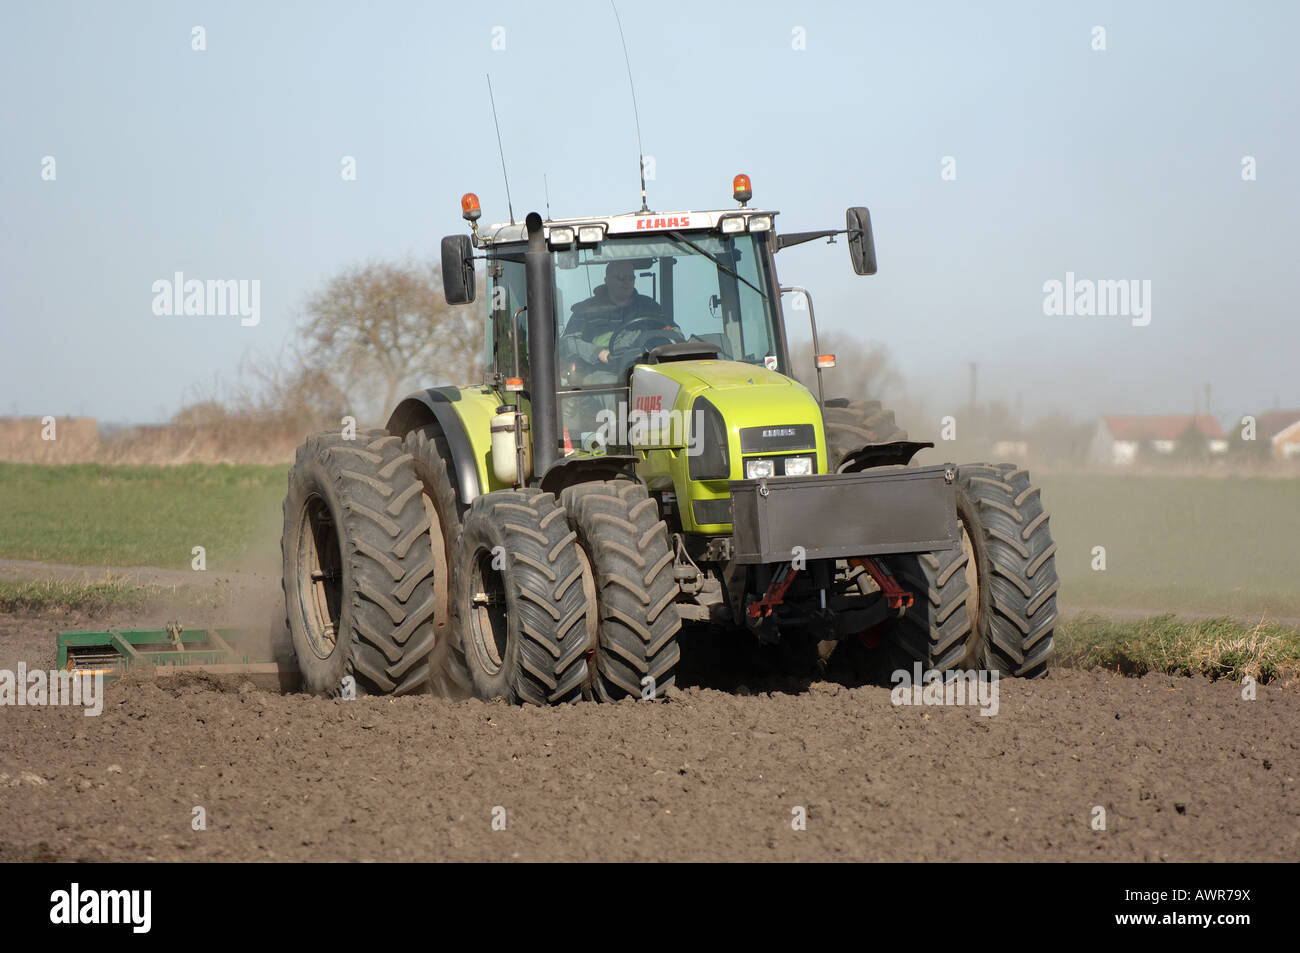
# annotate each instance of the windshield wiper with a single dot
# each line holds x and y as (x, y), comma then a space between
(678, 236)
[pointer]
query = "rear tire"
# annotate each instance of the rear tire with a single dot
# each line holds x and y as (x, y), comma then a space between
(626, 543)
(992, 603)
(434, 467)
(357, 566)
(518, 601)
(858, 424)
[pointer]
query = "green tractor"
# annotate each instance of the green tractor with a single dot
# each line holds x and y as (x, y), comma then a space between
(639, 462)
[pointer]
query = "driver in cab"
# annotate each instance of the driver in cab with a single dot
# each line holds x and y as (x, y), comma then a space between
(597, 320)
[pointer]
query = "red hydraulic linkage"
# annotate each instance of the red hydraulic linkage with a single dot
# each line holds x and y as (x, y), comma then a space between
(775, 593)
(896, 597)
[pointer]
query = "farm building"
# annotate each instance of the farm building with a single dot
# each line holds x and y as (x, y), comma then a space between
(1119, 441)
(1281, 428)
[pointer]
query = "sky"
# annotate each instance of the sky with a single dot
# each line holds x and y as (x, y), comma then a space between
(996, 145)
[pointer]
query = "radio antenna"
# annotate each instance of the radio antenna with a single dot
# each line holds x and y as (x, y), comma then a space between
(635, 115)
(547, 187)
(500, 149)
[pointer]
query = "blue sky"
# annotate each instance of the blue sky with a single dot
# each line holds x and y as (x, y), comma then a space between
(225, 163)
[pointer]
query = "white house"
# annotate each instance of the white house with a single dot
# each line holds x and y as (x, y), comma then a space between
(1117, 441)
(1281, 428)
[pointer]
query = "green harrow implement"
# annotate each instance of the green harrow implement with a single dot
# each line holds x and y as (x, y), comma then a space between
(174, 650)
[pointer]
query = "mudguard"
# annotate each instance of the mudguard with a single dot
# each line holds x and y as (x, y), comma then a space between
(435, 405)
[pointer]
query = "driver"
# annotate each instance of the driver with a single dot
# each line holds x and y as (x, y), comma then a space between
(613, 305)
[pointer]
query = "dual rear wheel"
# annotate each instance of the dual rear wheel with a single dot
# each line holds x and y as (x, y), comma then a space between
(392, 586)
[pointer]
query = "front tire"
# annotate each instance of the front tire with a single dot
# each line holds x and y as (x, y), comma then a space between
(991, 603)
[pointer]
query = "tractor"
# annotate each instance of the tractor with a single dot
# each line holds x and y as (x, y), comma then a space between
(640, 464)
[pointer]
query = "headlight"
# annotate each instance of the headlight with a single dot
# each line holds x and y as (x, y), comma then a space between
(798, 466)
(561, 236)
(591, 234)
(760, 223)
(732, 225)
(759, 469)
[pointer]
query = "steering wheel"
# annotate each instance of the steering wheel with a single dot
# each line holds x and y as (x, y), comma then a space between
(642, 334)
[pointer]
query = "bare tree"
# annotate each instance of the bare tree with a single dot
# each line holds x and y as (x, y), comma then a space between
(862, 371)
(386, 326)
(292, 390)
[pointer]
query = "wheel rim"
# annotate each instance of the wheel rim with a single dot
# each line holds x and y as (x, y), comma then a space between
(320, 588)
(589, 689)
(976, 655)
(440, 571)
(488, 627)
(972, 575)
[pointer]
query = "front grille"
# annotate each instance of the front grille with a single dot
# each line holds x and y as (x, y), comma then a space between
(778, 439)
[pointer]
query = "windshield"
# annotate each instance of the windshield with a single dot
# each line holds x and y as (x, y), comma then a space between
(618, 300)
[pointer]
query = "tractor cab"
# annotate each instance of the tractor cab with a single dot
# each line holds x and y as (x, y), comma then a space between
(640, 290)
(628, 292)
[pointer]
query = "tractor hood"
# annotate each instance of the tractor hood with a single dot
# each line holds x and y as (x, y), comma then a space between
(722, 375)
(698, 422)
(745, 396)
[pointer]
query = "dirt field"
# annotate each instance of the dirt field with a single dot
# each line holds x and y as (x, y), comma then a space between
(1185, 768)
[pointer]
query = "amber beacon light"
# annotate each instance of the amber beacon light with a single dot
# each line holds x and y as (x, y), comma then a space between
(740, 189)
(469, 207)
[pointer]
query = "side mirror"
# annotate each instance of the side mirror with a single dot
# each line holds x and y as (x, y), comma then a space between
(862, 246)
(458, 285)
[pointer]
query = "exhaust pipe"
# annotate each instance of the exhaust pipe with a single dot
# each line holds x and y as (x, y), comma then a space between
(541, 346)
